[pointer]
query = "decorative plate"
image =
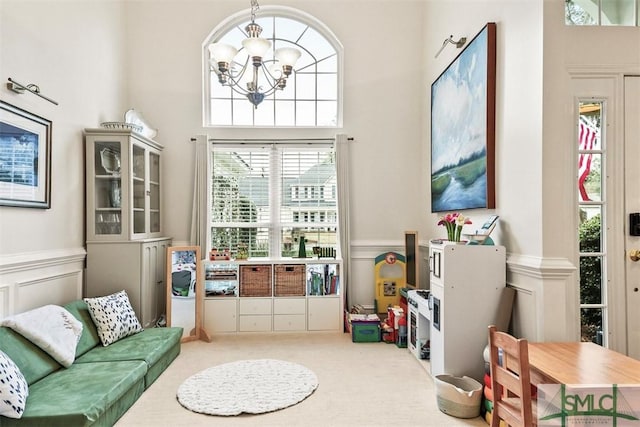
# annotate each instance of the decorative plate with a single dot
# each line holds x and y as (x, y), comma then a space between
(133, 116)
(110, 160)
(121, 125)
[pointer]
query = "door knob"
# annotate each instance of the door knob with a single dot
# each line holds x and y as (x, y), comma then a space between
(634, 255)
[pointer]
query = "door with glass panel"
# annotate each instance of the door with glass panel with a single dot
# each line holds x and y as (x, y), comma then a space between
(632, 206)
(608, 152)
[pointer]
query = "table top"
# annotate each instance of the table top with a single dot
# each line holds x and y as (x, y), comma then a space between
(580, 363)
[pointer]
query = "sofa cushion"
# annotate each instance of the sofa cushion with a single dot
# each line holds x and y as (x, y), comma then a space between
(89, 338)
(31, 360)
(13, 388)
(84, 394)
(157, 347)
(114, 317)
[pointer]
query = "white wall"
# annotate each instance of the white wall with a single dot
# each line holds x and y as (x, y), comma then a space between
(73, 50)
(518, 108)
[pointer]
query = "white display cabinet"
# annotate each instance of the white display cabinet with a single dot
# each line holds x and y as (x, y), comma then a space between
(467, 282)
(285, 295)
(123, 173)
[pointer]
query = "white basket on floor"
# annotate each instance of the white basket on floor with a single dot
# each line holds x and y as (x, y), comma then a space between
(458, 396)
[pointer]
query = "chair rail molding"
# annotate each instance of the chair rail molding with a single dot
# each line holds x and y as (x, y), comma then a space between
(33, 260)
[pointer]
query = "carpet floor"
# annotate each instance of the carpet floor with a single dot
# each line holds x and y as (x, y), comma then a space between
(360, 384)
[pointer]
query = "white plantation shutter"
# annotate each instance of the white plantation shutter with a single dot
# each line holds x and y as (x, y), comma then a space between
(308, 204)
(240, 211)
(267, 196)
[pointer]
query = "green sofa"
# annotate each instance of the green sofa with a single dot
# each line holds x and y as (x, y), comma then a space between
(101, 384)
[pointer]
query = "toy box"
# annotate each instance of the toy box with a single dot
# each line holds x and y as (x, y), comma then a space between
(365, 327)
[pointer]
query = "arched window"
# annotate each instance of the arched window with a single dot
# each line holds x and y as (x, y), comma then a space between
(312, 96)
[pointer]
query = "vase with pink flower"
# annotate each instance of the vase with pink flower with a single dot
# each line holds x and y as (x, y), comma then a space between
(453, 222)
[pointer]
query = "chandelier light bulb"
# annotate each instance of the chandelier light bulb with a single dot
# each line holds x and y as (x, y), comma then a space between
(256, 46)
(275, 69)
(287, 56)
(222, 54)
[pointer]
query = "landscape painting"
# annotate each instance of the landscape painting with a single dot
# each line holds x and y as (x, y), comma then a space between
(463, 128)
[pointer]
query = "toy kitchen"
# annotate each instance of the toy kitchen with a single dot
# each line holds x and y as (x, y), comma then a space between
(420, 314)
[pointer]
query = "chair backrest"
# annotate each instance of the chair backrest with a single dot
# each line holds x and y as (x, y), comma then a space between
(510, 379)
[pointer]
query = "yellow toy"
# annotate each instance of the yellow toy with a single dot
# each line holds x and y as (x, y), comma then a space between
(390, 278)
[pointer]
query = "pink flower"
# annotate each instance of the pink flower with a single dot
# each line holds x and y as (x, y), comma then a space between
(454, 222)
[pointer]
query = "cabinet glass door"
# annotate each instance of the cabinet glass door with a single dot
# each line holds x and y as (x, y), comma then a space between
(108, 188)
(154, 192)
(139, 206)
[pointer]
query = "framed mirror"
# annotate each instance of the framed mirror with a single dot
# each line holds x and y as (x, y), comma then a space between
(185, 291)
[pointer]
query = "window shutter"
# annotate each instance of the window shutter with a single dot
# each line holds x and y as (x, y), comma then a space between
(267, 198)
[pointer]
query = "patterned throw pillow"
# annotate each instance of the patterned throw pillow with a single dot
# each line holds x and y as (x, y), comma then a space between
(13, 388)
(114, 317)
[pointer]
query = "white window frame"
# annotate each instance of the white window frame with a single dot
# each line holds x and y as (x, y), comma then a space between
(603, 204)
(275, 224)
(279, 11)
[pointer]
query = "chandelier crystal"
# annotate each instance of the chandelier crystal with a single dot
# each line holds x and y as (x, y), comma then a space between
(274, 71)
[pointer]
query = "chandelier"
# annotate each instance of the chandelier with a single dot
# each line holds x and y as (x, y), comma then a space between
(275, 70)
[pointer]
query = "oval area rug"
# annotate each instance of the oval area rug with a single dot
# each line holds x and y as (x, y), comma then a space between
(247, 386)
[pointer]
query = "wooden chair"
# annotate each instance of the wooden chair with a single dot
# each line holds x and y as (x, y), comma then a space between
(510, 381)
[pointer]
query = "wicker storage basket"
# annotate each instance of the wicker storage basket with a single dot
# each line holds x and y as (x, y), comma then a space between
(255, 280)
(290, 280)
(458, 396)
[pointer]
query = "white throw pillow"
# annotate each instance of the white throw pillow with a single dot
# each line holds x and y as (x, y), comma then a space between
(50, 327)
(13, 388)
(114, 317)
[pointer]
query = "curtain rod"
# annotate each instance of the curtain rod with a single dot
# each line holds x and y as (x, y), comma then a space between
(269, 140)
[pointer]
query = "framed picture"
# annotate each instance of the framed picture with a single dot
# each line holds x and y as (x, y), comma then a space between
(25, 158)
(463, 102)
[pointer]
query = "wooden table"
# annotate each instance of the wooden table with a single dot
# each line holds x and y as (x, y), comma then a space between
(580, 363)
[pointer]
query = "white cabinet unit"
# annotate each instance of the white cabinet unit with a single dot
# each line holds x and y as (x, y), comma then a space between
(123, 171)
(138, 267)
(466, 285)
(255, 314)
(281, 295)
(221, 315)
(325, 313)
(125, 246)
(289, 314)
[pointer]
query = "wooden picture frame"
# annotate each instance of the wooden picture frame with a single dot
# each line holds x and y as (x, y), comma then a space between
(463, 105)
(25, 158)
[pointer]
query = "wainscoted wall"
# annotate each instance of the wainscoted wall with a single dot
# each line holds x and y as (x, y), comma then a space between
(30, 280)
(545, 289)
